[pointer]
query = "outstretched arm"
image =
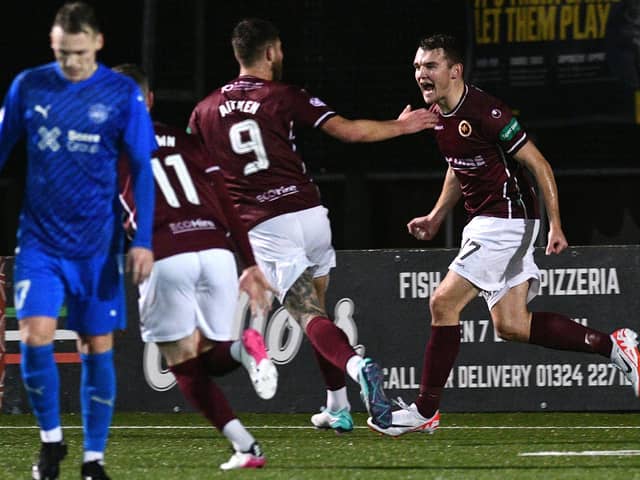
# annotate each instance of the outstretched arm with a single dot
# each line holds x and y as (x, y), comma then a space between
(530, 157)
(409, 121)
(425, 228)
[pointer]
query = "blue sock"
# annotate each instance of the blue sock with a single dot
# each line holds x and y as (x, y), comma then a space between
(42, 383)
(97, 397)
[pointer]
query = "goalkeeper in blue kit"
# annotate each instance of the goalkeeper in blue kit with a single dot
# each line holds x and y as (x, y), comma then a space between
(77, 117)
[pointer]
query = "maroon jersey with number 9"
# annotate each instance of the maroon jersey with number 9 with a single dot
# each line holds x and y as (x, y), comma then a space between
(478, 138)
(249, 125)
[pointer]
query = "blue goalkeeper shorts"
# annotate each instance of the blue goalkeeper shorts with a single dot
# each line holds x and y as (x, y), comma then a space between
(92, 288)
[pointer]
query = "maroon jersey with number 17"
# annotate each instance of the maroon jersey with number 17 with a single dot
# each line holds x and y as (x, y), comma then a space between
(249, 125)
(193, 211)
(478, 138)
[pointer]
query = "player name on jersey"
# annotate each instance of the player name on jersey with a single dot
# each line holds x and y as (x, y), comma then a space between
(244, 106)
(166, 141)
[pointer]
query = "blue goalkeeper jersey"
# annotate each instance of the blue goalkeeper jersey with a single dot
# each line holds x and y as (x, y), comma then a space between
(75, 132)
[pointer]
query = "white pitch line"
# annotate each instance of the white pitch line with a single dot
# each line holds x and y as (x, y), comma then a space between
(301, 427)
(586, 453)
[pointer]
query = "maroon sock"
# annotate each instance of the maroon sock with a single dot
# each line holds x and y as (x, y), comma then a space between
(553, 330)
(439, 357)
(333, 376)
(202, 393)
(218, 360)
(330, 341)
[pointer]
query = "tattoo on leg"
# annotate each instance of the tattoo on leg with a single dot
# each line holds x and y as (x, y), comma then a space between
(301, 300)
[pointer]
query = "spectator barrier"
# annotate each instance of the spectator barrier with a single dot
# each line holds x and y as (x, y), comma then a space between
(380, 298)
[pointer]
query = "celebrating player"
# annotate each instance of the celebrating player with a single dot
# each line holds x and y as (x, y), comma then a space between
(250, 124)
(489, 154)
(76, 116)
(188, 303)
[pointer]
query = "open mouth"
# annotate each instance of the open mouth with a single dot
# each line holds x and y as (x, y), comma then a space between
(427, 87)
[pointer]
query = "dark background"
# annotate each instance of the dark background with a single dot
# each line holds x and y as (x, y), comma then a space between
(357, 56)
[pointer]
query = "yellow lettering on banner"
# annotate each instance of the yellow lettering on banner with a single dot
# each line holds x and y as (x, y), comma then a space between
(487, 25)
(530, 24)
(593, 25)
(514, 21)
(566, 18)
(603, 16)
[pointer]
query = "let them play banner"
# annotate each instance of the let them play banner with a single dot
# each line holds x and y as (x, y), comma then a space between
(558, 62)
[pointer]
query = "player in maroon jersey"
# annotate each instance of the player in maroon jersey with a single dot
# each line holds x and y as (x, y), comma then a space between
(489, 154)
(250, 124)
(188, 303)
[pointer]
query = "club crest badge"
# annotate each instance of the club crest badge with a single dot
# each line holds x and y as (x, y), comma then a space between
(464, 128)
(98, 113)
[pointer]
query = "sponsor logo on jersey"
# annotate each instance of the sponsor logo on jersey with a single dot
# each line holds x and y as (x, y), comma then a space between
(276, 193)
(75, 136)
(191, 225)
(496, 113)
(98, 113)
(49, 139)
(83, 142)
(44, 111)
(316, 102)
(510, 130)
(464, 128)
(466, 163)
(242, 85)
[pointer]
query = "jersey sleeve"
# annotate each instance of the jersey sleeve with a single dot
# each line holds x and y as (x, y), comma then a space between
(139, 139)
(236, 226)
(11, 125)
(308, 110)
(193, 128)
(126, 196)
(503, 128)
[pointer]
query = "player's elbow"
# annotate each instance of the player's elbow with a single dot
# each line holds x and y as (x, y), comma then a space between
(347, 131)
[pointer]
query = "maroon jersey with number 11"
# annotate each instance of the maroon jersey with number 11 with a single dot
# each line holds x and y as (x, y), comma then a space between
(193, 211)
(478, 138)
(249, 125)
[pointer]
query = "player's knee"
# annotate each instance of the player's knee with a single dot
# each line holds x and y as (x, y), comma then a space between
(34, 335)
(509, 331)
(95, 344)
(34, 338)
(440, 306)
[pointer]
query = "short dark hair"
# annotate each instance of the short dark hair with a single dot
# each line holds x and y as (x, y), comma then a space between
(135, 72)
(448, 43)
(76, 17)
(249, 38)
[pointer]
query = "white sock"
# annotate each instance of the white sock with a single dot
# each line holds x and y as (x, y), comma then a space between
(238, 435)
(90, 456)
(235, 350)
(53, 435)
(353, 367)
(337, 399)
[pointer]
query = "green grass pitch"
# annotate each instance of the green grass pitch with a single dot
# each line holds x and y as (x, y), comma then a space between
(467, 446)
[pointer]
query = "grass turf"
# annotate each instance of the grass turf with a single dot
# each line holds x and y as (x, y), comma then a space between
(467, 446)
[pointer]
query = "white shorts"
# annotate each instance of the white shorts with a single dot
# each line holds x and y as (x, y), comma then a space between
(497, 255)
(188, 291)
(286, 245)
